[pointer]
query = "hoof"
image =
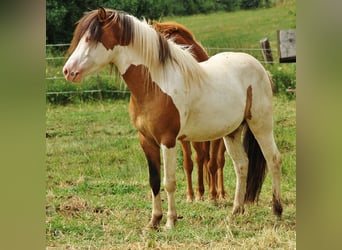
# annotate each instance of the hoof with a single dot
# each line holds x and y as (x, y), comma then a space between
(277, 208)
(221, 196)
(170, 223)
(199, 198)
(238, 210)
(151, 226)
(189, 198)
(154, 223)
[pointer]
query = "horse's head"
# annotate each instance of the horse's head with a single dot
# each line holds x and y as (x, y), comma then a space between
(95, 37)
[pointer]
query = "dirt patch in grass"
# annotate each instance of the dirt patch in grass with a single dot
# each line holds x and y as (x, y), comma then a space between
(73, 206)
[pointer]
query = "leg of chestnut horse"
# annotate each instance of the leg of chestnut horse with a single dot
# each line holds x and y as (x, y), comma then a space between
(221, 193)
(202, 154)
(152, 154)
(212, 168)
(188, 167)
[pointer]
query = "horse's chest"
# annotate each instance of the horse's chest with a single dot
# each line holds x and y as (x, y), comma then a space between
(157, 118)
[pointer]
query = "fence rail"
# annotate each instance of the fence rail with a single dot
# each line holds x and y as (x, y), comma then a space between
(54, 72)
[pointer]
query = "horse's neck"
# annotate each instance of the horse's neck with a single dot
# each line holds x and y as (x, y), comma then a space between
(199, 52)
(124, 56)
(135, 70)
(140, 83)
(145, 50)
(137, 79)
(197, 49)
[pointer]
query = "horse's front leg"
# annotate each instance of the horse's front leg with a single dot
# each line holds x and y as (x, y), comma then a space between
(152, 154)
(169, 157)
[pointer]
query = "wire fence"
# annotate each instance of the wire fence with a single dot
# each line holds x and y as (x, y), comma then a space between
(104, 82)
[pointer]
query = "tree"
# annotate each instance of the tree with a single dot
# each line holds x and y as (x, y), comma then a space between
(250, 4)
(62, 15)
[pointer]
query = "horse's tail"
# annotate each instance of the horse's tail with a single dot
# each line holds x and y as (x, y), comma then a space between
(256, 166)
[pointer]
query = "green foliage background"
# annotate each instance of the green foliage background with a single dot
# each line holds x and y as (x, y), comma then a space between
(61, 15)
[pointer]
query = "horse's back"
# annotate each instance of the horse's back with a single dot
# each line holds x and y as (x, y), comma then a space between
(240, 70)
(237, 62)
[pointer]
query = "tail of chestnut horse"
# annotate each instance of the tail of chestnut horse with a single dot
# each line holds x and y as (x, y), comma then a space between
(256, 166)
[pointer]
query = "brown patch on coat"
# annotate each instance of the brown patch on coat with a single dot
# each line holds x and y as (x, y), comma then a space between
(152, 111)
(117, 28)
(248, 114)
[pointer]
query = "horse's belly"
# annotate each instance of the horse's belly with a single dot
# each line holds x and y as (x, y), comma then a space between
(199, 133)
(204, 126)
(212, 113)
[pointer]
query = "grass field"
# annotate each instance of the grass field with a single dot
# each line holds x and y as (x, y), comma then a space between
(241, 29)
(97, 191)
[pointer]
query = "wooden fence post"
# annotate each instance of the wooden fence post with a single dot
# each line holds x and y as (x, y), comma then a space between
(287, 45)
(266, 50)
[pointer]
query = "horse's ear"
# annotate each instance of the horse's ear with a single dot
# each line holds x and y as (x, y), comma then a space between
(101, 14)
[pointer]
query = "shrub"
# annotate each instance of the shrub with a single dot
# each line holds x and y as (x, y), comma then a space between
(284, 77)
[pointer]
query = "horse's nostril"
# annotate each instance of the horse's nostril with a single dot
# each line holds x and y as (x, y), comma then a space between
(65, 72)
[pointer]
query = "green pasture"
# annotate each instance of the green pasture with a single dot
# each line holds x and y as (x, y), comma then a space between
(97, 189)
(98, 196)
(240, 29)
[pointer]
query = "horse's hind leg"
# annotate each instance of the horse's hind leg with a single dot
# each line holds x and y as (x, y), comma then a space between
(201, 156)
(212, 169)
(188, 168)
(240, 160)
(264, 136)
(221, 193)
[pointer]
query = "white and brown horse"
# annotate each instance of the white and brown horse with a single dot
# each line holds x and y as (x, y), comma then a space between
(209, 156)
(180, 99)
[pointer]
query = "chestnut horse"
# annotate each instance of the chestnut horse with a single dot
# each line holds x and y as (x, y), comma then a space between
(174, 97)
(209, 155)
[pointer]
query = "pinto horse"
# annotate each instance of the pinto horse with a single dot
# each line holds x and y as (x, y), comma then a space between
(174, 97)
(209, 155)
